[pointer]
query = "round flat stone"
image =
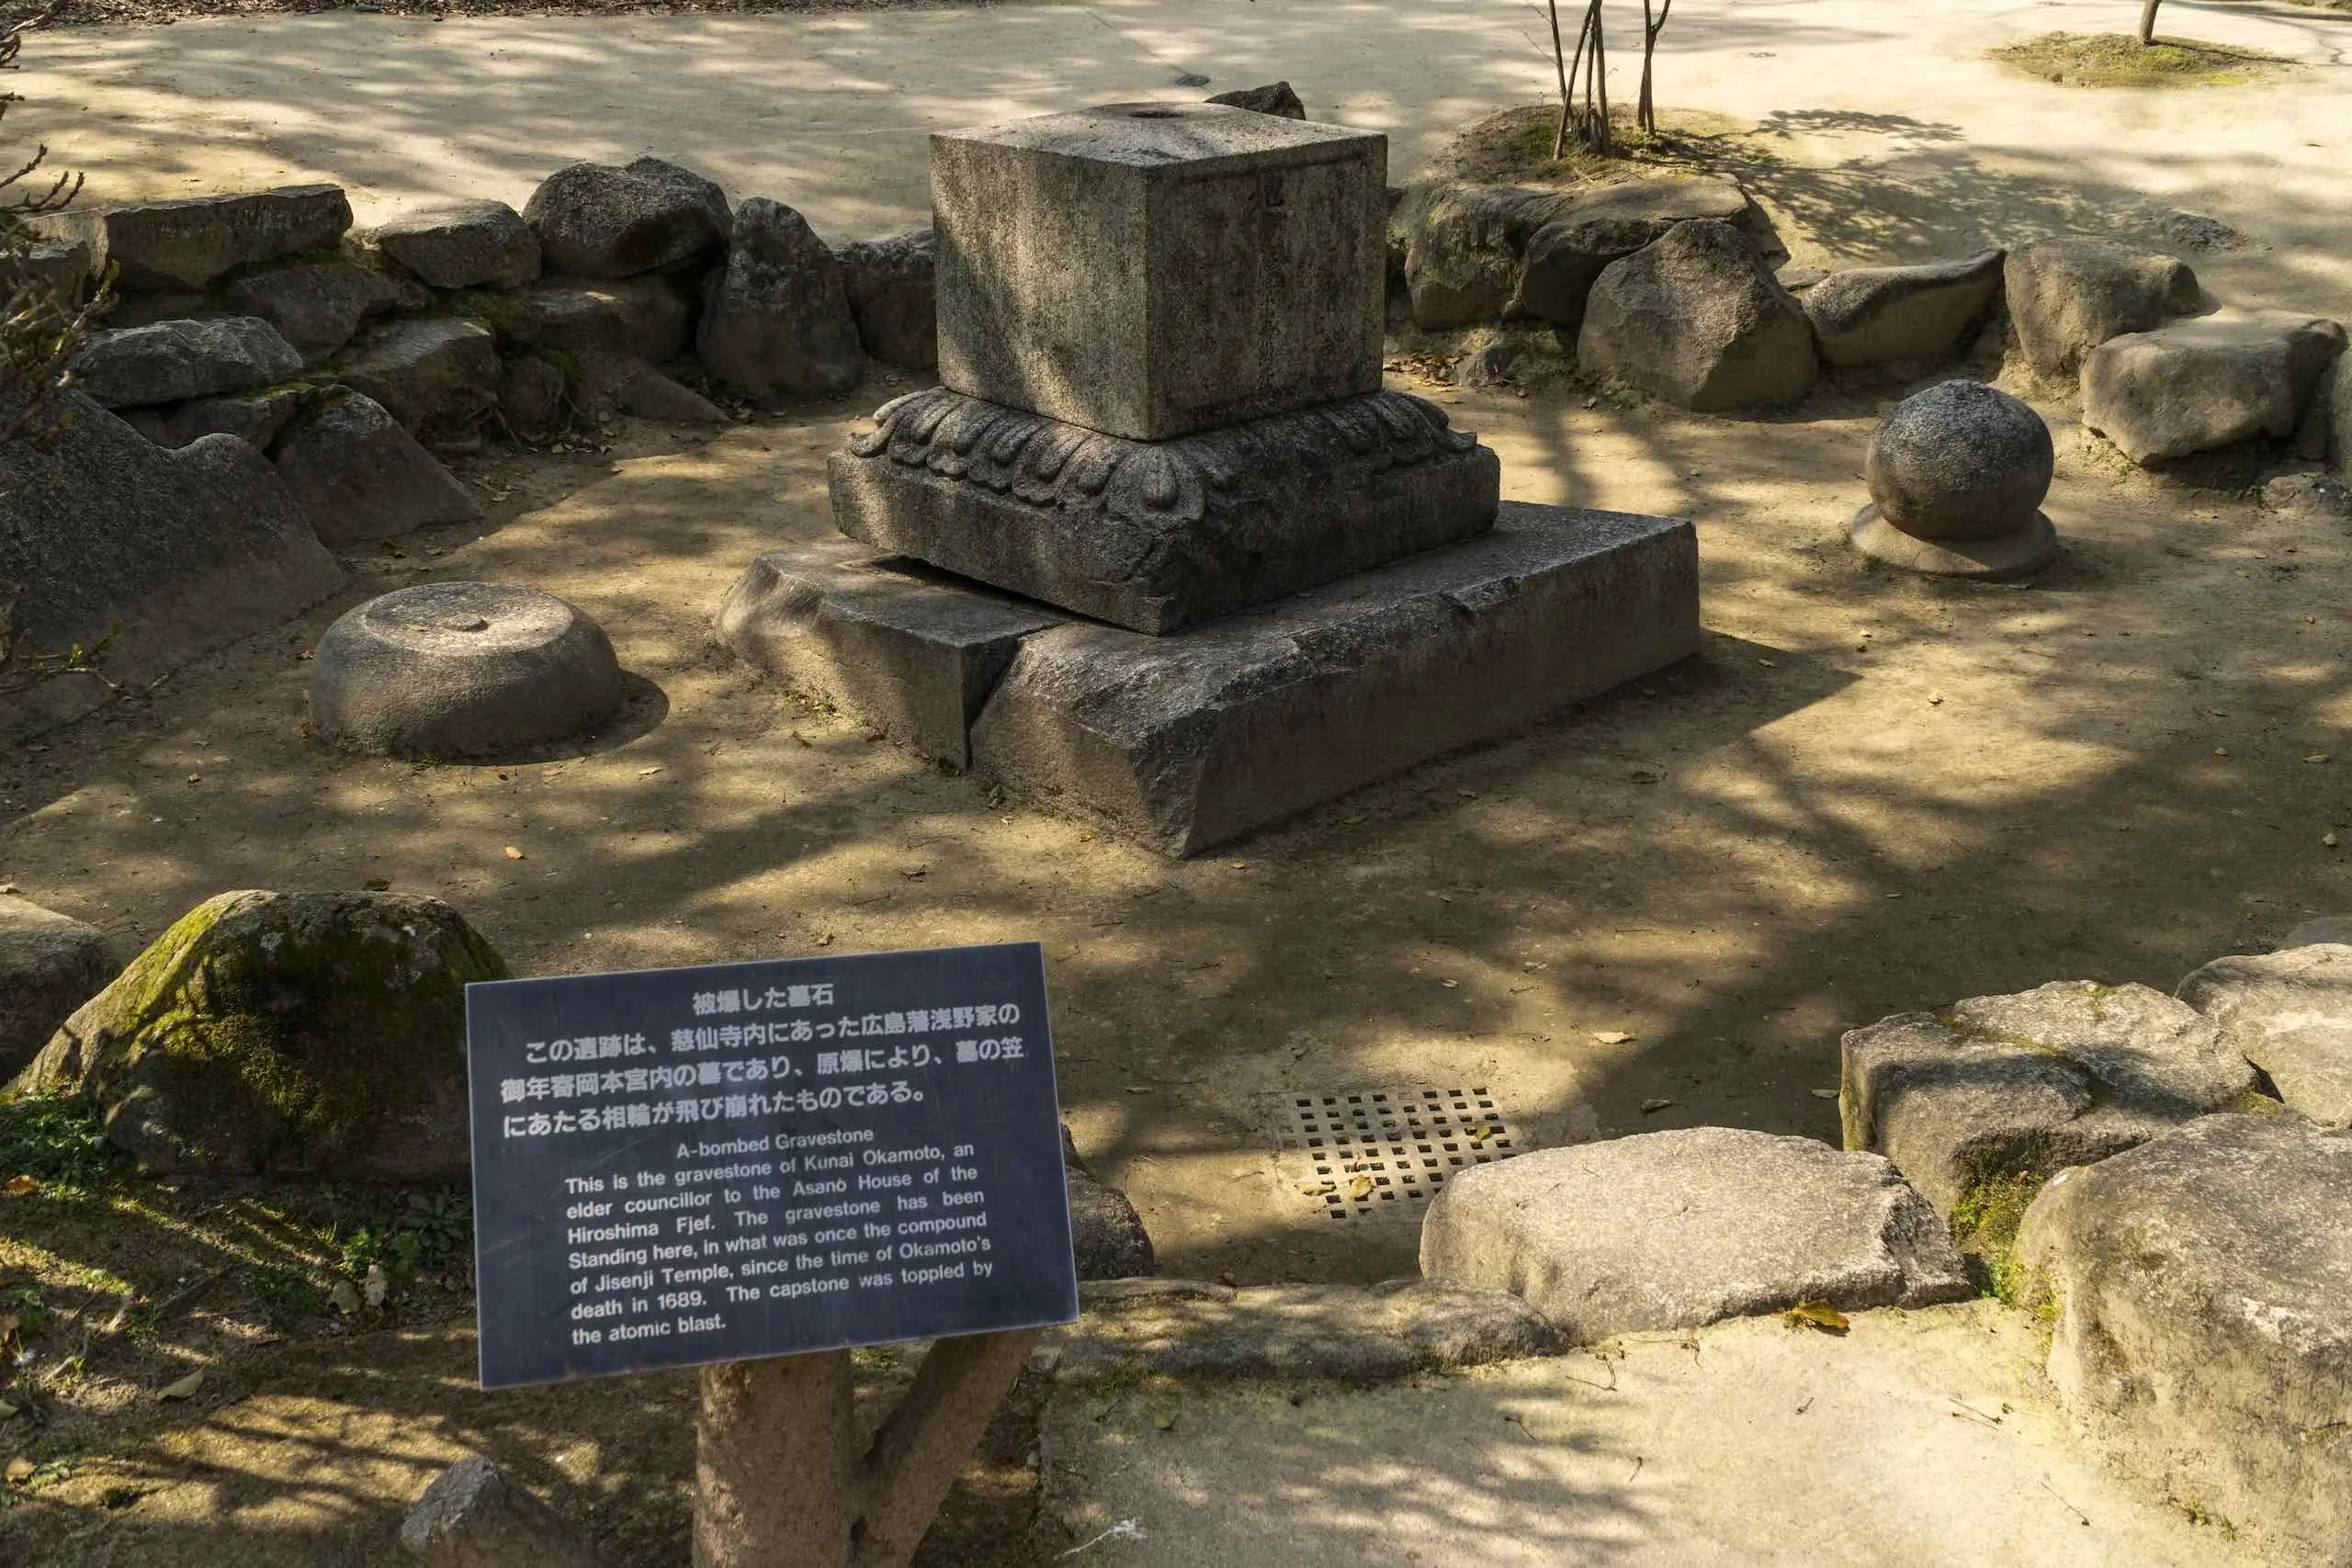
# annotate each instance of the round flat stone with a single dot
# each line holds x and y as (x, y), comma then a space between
(2016, 554)
(462, 670)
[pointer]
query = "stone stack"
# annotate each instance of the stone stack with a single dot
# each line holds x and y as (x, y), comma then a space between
(1160, 545)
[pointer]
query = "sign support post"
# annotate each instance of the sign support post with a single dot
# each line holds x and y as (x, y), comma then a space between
(782, 1484)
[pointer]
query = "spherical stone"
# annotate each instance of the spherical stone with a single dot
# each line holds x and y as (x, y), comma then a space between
(461, 670)
(1960, 461)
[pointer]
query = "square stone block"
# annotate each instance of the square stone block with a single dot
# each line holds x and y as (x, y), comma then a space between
(1151, 270)
(911, 652)
(1161, 535)
(1194, 739)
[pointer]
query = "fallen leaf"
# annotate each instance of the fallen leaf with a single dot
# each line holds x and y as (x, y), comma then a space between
(1165, 1423)
(1825, 1094)
(916, 874)
(1650, 1106)
(1322, 1189)
(1451, 984)
(647, 772)
(21, 1187)
(2221, 750)
(513, 854)
(21, 1469)
(377, 884)
(196, 778)
(2318, 757)
(1813, 1313)
(345, 1297)
(7, 1410)
(375, 1288)
(1359, 1187)
(1611, 1037)
(184, 1389)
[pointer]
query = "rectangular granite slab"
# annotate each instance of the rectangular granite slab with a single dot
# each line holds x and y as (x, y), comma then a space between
(1193, 738)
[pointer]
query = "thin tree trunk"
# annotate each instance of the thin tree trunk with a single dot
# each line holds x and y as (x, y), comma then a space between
(1560, 64)
(1602, 143)
(2148, 20)
(1646, 112)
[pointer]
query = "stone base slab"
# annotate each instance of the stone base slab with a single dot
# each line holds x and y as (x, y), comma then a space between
(1190, 739)
(1159, 535)
(911, 654)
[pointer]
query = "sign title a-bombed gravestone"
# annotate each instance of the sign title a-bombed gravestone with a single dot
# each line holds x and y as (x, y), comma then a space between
(688, 1166)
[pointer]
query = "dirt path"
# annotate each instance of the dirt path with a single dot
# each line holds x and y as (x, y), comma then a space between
(828, 110)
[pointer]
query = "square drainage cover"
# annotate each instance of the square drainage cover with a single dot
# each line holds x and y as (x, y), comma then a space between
(1379, 1154)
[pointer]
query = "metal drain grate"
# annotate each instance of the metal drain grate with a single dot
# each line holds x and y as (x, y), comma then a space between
(1382, 1153)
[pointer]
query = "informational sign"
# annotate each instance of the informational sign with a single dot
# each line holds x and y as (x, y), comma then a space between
(678, 1166)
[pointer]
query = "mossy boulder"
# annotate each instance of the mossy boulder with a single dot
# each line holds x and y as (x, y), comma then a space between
(285, 1033)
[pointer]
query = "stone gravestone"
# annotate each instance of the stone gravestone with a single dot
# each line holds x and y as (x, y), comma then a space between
(751, 1168)
(1160, 545)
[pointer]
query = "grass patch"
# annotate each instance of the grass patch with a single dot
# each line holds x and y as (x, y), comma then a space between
(2118, 60)
(58, 1141)
(1515, 148)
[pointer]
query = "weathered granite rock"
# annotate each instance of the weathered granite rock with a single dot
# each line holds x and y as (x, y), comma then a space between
(594, 220)
(361, 478)
(904, 647)
(775, 319)
(2006, 1089)
(1682, 1228)
(1957, 475)
(173, 361)
(1462, 245)
(2066, 297)
(649, 394)
(1149, 270)
(2290, 1013)
(2338, 419)
(1189, 739)
(649, 318)
(189, 242)
(317, 305)
(1275, 97)
(474, 1517)
(470, 670)
(893, 292)
(1339, 1333)
(169, 553)
(49, 964)
(2202, 1287)
(296, 1033)
(1159, 535)
(1902, 315)
(2196, 385)
(439, 376)
(463, 244)
(1580, 236)
(255, 418)
(2311, 498)
(1107, 1237)
(60, 270)
(2310, 933)
(530, 398)
(1698, 319)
